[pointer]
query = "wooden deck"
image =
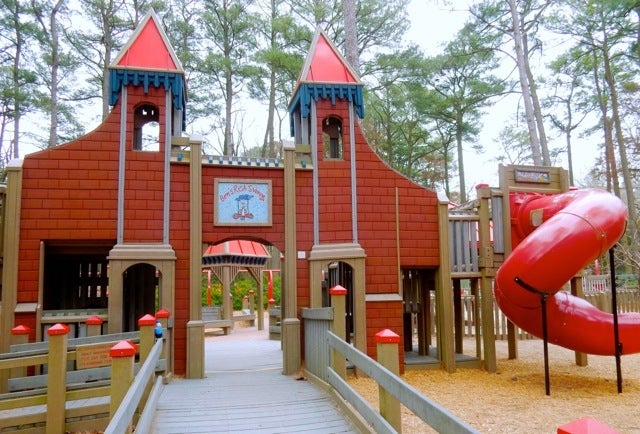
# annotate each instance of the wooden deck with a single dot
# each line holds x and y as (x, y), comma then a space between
(245, 391)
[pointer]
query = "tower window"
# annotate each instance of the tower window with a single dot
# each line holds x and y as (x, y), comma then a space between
(146, 128)
(332, 138)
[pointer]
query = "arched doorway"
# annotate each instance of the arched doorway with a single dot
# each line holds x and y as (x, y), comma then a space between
(340, 273)
(341, 264)
(419, 323)
(235, 283)
(139, 294)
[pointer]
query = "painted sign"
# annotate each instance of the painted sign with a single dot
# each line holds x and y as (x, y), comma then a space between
(93, 355)
(535, 176)
(242, 202)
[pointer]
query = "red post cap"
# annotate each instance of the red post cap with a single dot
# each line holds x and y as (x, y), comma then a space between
(147, 320)
(123, 349)
(58, 329)
(20, 330)
(386, 336)
(94, 320)
(338, 290)
(163, 313)
(586, 425)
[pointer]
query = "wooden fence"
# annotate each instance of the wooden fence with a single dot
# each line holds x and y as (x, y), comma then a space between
(326, 353)
(628, 300)
(76, 384)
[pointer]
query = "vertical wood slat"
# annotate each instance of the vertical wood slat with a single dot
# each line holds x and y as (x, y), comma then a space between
(463, 244)
(317, 321)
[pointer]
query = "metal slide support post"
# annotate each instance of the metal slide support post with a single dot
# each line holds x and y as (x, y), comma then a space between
(614, 308)
(545, 340)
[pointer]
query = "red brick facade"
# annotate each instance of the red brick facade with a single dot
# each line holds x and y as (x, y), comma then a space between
(70, 194)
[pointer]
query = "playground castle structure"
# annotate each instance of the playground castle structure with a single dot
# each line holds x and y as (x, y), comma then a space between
(106, 226)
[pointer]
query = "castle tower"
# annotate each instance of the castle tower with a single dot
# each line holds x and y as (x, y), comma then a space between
(147, 81)
(324, 114)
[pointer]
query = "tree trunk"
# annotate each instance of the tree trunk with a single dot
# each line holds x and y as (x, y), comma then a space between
(17, 99)
(524, 85)
(537, 110)
(55, 64)
(351, 34)
(463, 186)
(228, 106)
(622, 150)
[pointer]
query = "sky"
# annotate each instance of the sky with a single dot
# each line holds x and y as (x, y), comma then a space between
(434, 24)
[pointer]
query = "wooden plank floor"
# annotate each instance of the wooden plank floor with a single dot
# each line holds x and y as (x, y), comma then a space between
(245, 391)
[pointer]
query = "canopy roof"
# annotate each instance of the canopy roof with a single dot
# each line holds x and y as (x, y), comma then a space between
(236, 252)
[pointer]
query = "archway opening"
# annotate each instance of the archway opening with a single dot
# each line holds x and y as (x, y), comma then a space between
(146, 128)
(241, 285)
(140, 294)
(340, 273)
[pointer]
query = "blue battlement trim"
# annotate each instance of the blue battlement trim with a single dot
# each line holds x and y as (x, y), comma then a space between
(308, 91)
(169, 80)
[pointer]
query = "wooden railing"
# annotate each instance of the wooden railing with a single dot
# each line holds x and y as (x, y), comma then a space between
(326, 353)
(123, 418)
(434, 415)
(82, 384)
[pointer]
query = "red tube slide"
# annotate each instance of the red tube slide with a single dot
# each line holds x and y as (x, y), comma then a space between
(562, 234)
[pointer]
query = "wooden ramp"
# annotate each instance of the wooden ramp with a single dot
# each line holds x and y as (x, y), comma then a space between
(244, 391)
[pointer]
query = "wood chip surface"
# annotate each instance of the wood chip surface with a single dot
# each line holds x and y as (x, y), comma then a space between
(513, 399)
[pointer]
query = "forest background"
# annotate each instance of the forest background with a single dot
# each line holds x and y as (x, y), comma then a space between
(493, 81)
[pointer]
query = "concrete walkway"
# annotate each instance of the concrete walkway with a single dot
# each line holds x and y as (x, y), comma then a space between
(245, 392)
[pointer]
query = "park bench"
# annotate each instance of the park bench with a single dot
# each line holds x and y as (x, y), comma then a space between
(246, 316)
(274, 323)
(212, 318)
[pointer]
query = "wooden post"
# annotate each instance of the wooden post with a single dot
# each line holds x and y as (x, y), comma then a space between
(387, 347)
(290, 324)
(94, 325)
(252, 302)
(122, 361)
(19, 335)
(339, 327)
(444, 294)
(245, 303)
(147, 326)
(273, 321)
(147, 323)
(260, 303)
(487, 271)
(195, 326)
(56, 378)
(578, 291)
(163, 316)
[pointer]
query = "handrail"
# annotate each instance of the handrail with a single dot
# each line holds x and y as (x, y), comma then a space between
(429, 411)
(127, 408)
(43, 347)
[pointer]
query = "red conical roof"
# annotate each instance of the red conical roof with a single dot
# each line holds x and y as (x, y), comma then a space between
(325, 64)
(148, 49)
